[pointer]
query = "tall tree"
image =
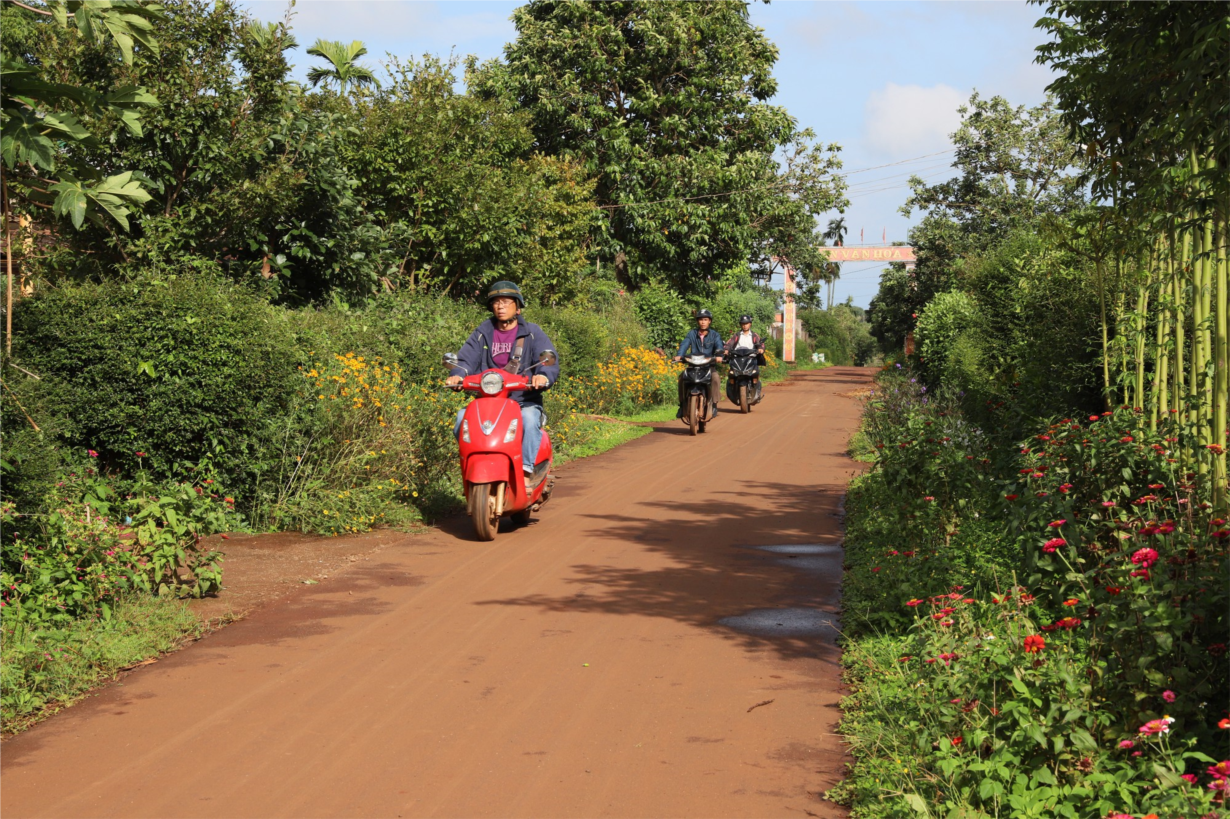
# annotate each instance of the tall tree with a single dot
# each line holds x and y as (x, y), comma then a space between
(666, 104)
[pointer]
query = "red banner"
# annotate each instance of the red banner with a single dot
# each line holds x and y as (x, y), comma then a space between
(871, 254)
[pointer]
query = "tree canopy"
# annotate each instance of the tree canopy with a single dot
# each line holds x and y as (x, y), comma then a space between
(666, 106)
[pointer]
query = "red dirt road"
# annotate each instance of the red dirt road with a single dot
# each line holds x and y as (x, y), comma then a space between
(447, 677)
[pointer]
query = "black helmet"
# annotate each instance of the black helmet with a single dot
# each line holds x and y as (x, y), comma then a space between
(502, 289)
(700, 314)
(745, 319)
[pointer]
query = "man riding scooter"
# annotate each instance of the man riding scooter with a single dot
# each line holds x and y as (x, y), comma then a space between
(747, 341)
(705, 342)
(507, 341)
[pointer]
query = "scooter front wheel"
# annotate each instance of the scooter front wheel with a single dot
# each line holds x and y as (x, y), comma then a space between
(482, 511)
(744, 407)
(694, 411)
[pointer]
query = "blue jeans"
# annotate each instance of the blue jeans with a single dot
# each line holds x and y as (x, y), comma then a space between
(532, 421)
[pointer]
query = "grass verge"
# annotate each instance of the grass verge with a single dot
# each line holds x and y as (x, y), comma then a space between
(599, 436)
(653, 415)
(42, 671)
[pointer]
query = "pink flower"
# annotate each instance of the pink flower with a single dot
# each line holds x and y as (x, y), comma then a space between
(1222, 785)
(1168, 696)
(1144, 557)
(92, 453)
(1191, 778)
(1126, 743)
(914, 602)
(1055, 524)
(1156, 727)
(1108, 504)
(1053, 544)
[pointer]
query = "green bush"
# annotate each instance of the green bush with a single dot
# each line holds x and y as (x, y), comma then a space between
(742, 297)
(665, 315)
(175, 368)
(948, 317)
(581, 337)
(825, 331)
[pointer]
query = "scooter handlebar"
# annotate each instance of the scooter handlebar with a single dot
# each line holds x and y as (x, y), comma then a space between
(512, 383)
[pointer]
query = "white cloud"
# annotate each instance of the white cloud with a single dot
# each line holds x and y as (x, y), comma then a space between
(910, 120)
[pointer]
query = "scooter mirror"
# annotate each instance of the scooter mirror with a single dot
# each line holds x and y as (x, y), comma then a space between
(450, 360)
(547, 358)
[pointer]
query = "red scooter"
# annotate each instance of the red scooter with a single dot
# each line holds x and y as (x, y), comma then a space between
(490, 442)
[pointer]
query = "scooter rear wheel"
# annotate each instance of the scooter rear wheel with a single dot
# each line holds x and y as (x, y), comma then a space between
(744, 407)
(694, 410)
(482, 511)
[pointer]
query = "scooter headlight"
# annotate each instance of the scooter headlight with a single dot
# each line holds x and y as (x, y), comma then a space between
(511, 435)
(465, 431)
(492, 384)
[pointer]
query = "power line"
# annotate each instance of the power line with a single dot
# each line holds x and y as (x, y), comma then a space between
(901, 162)
(767, 187)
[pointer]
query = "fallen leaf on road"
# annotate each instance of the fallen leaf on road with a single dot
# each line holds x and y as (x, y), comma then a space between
(757, 705)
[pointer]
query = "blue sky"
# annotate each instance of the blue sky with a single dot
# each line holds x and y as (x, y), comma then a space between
(882, 79)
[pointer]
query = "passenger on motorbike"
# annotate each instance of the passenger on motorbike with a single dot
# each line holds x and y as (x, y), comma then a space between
(506, 341)
(704, 342)
(746, 339)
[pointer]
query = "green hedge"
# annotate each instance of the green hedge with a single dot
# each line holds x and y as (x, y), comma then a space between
(174, 369)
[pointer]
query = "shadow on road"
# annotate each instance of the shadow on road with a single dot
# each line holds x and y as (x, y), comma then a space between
(716, 570)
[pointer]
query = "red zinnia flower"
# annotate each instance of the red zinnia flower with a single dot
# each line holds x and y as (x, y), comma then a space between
(1010, 497)
(1034, 643)
(1144, 557)
(1114, 590)
(1053, 544)
(1055, 524)
(1072, 601)
(914, 602)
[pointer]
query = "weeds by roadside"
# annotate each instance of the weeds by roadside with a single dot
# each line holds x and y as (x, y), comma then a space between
(45, 669)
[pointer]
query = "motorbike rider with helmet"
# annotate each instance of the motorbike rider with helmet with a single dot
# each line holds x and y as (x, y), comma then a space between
(506, 341)
(706, 342)
(746, 339)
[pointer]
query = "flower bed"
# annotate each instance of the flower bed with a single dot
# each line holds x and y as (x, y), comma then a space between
(1035, 630)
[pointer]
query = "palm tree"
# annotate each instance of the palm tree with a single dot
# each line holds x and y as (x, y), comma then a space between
(343, 70)
(836, 233)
